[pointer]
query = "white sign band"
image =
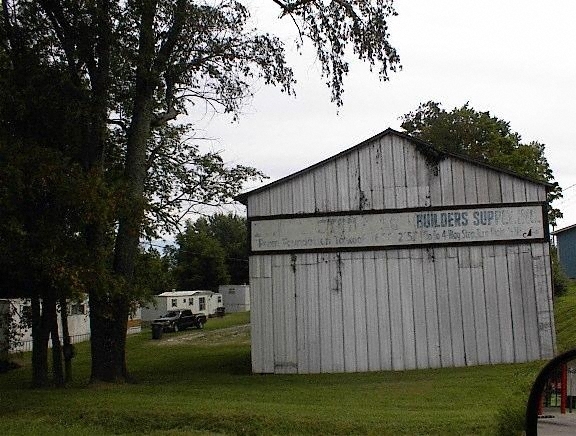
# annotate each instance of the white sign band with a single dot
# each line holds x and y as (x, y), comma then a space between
(384, 229)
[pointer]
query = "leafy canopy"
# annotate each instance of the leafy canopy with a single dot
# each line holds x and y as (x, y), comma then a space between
(211, 251)
(483, 137)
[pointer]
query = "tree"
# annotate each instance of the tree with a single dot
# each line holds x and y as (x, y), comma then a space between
(133, 67)
(231, 231)
(210, 252)
(41, 255)
(200, 260)
(483, 137)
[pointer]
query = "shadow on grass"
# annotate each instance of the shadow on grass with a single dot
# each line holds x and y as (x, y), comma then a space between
(184, 363)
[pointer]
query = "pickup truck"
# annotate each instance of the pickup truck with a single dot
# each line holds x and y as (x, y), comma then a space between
(180, 319)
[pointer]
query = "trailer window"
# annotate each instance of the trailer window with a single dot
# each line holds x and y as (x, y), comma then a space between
(174, 302)
(191, 302)
(202, 303)
(77, 309)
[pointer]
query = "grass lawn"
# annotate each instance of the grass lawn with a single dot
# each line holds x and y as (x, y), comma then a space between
(200, 383)
(565, 317)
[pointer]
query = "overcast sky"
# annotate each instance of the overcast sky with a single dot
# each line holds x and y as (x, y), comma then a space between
(514, 58)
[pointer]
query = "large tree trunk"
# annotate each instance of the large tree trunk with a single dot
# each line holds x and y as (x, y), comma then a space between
(67, 349)
(49, 310)
(109, 319)
(108, 323)
(40, 335)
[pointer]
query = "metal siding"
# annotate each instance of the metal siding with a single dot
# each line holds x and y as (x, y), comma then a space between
(567, 251)
(516, 304)
(342, 181)
(289, 289)
(324, 306)
(478, 294)
(492, 314)
(365, 182)
(411, 157)
(408, 330)
(529, 299)
(469, 328)
(398, 309)
(382, 294)
(337, 313)
(456, 318)
(302, 331)
(431, 302)
(446, 182)
(458, 180)
(348, 288)
(395, 311)
(388, 183)
(313, 320)
(504, 304)
(399, 160)
(372, 337)
(444, 327)
(359, 301)
(543, 303)
(419, 309)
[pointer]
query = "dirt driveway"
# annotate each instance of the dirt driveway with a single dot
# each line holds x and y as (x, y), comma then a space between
(239, 334)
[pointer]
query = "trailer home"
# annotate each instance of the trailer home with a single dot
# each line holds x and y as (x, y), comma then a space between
(394, 255)
(237, 297)
(206, 302)
(15, 310)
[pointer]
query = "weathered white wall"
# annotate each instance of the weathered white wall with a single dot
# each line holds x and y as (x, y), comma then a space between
(398, 308)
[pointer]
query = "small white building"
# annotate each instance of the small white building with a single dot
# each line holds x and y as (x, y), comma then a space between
(78, 321)
(237, 297)
(199, 301)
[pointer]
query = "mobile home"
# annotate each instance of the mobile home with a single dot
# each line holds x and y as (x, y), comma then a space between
(237, 297)
(206, 302)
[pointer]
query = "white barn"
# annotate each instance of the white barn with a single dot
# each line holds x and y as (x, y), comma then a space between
(393, 255)
(205, 302)
(237, 297)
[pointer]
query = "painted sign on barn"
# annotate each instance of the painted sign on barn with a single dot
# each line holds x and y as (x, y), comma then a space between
(386, 229)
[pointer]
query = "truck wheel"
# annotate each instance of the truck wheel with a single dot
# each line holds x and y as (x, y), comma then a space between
(200, 325)
(175, 328)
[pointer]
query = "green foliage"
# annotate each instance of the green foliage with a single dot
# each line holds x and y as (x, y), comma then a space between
(200, 260)
(231, 231)
(483, 137)
(114, 76)
(12, 325)
(560, 280)
(210, 252)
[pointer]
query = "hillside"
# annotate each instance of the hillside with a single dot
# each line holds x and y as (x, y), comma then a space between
(565, 316)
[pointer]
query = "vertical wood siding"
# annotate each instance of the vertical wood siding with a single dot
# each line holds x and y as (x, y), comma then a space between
(398, 309)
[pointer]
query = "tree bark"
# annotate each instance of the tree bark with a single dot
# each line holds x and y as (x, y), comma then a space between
(40, 334)
(49, 310)
(108, 323)
(67, 344)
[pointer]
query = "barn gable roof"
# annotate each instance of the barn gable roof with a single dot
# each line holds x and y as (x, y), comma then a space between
(430, 152)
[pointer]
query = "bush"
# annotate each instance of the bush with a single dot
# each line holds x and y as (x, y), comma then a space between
(560, 280)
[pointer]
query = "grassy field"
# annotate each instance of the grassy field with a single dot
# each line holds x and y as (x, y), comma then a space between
(565, 317)
(200, 383)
